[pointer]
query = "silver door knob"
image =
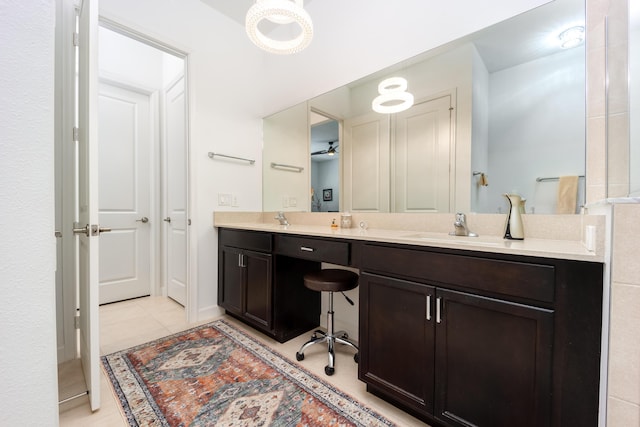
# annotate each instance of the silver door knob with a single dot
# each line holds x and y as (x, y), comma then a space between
(81, 230)
(143, 220)
(167, 219)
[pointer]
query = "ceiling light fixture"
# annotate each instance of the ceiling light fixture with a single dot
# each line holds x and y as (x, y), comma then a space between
(279, 12)
(571, 37)
(393, 97)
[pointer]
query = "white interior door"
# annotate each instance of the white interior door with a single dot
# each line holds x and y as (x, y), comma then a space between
(176, 220)
(366, 163)
(88, 198)
(422, 151)
(125, 141)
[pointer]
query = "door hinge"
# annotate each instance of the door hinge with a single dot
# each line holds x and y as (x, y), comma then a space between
(76, 39)
(76, 134)
(76, 321)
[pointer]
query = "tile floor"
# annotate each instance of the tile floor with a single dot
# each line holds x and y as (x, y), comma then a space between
(133, 322)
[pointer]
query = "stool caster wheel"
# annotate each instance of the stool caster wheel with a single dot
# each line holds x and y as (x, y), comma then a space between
(328, 370)
(356, 357)
(299, 356)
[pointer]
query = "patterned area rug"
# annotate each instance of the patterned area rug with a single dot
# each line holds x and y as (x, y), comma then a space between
(216, 375)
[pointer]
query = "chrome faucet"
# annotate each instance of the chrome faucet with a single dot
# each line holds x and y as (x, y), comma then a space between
(280, 217)
(461, 228)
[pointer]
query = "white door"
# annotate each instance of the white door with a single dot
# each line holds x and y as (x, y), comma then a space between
(125, 141)
(421, 147)
(366, 163)
(176, 221)
(87, 198)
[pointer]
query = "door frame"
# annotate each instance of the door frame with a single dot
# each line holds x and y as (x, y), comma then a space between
(66, 211)
(191, 307)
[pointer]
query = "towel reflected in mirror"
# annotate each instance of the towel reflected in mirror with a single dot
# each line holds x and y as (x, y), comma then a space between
(567, 199)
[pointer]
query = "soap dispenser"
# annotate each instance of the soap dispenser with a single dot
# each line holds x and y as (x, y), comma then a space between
(514, 229)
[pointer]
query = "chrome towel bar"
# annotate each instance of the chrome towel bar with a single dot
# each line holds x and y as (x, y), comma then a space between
(212, 155)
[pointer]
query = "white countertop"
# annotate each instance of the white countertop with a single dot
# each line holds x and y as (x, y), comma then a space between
(546, 248)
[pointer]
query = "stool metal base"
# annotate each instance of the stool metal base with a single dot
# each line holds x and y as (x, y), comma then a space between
(331, 338)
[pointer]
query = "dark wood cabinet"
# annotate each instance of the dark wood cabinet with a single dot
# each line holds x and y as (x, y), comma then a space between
(397, 352)
(263, 289)
(466, 359)
(465, 339)
(497, 351)
(455, 337)
(246, 285)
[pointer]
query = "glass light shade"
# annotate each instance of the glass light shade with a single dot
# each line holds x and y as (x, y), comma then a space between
(393, 96)
(279, 10)
(392, 85)
(571, 37)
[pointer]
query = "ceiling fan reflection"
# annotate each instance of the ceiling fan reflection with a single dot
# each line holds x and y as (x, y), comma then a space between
(329, 151)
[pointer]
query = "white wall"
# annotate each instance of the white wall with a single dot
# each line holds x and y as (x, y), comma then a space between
(284, 188)
(28, 249)
(138, 63)
(532, 138)
(480, 133)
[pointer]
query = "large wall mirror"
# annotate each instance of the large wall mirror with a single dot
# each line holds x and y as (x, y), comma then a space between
(499, 111)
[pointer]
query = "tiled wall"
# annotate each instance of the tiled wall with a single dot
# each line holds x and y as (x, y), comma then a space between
(624, 351)
(608, 166)
(607, 57)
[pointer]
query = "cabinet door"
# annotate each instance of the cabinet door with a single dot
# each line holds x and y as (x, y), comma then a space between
(259, 292)
(396, 339)
(231, 279)
(493, 362)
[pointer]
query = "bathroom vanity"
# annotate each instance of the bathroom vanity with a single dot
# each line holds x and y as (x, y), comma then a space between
(455, 333)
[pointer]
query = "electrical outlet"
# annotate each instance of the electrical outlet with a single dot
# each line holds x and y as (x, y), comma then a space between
(293, 202)
(234, 201)
(285, 202)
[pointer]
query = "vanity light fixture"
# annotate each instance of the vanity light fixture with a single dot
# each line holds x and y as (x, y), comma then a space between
(393, 97)
(279, 12)
(571, 37)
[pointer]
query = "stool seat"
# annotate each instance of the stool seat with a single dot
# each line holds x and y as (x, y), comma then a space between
(331, 280)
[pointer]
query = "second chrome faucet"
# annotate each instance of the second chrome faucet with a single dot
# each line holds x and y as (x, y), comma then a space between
(461, 228)
(281, 218)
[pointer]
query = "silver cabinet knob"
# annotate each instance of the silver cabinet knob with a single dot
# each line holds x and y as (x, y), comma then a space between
(143, 220)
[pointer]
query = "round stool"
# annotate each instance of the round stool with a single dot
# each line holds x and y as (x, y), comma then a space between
(330, 280)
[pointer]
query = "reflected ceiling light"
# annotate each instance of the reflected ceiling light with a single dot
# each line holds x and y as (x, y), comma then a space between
(393, 96)
(571, 37)
(279, 12)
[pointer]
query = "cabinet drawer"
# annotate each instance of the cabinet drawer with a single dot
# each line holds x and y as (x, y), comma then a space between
(252, 240)
(518, 279)
(313, 249)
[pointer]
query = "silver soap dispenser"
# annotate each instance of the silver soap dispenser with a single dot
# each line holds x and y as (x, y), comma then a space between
(514, 229)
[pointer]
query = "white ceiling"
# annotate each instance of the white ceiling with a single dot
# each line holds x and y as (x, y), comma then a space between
(520, 39)
(234, 9)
